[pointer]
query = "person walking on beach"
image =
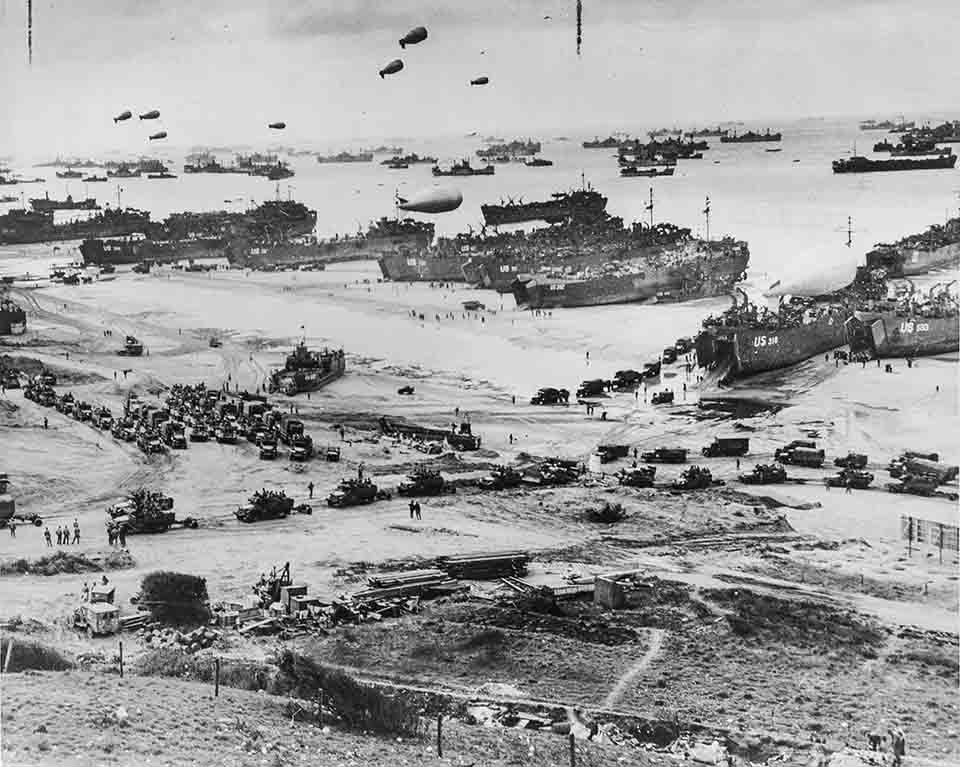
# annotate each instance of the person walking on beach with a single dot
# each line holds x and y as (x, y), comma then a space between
(416, 508)
(46, 423)
(310, 489)
(76, 532)
(13, 527)
(412, 508)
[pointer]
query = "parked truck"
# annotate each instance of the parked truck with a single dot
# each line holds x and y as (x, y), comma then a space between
(174, 435)
(727, 446)
(665, 455)
(801, 454)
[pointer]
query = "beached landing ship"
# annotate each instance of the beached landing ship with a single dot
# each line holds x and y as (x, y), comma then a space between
(562, 205)
(937, 247)
(305, 370)
(910, 327)
(20, 227)
(691, 269)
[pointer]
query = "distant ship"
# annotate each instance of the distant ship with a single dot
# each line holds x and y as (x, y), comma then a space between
(162, 174)
(708, 132)
(69, 173)
(46, 204)
(124, 171)
(937, 247)
(584, 203)
(409, 159)
(516, 148)
(538, 162)
(911, 147)
(864, 165)
(434, 265)
(463, 168)
(874, 125)
(207, 163)
(95, 179)
(637, 171)
(750, 137)
(606, 143)
(681, 272)
(13, 319)
(346, 157)
(114, 252)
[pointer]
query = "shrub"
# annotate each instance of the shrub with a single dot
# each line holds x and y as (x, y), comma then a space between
(67, 562)
(607, 514)
(175, 597)
(32, 655)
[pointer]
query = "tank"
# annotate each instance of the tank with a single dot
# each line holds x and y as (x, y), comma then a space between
(639, 477)
(853, 478)
(501, 478)
(424, 481)
(694, 478)
(665, 455)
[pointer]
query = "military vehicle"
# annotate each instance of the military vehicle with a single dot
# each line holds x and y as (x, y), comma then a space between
(550, 396)
(149, 442)
(625, 380)
(102, 418)
(405, 390)
(642, 476)
(290, 428)
(10, 379)
(765, 474)
(82, 411)
(199, 432)
(727, 446)
(174, 435)
(851, 461)
(554, 471)
(610, 453)
(464, 439)
(97, 619)
(355, 492)
(265, 504)
(424, 481)
(651, 370)
(662, 398)
(853, 478)
(267, 444)
(131, 348)
(924, 485)
(501, 478)
(301, 448)
(665, 455)
(593, 388)
(124, 429)
(683, 345)
(65, 404)
(226, 433)
(695, 478)
(917, 466)
(146, 511)
(332, 453)
(669, 355)
(800, 453)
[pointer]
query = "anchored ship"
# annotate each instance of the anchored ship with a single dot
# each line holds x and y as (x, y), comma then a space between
(46, 204)
(20, 227)
(305, 370)
(346, 157)
(858, 164)
(463, 168)
(580, 203)
(517, 148)
(939, 246)
(606, 143)
(750, 137)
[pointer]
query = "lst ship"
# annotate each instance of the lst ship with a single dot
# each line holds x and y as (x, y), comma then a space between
(561, 206)
(908, 327)
(937, 247)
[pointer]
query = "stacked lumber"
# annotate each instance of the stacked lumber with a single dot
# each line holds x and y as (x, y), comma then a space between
(410, 583)
(486, 566)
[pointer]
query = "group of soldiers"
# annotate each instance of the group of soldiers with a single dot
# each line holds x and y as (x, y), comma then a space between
(62, 535)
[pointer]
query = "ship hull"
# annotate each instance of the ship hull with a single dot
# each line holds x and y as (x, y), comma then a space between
(742, 352)
(407, 267)
(684, 283)
(861, 165)
(888, 334)
(118, 252)
(907, 262)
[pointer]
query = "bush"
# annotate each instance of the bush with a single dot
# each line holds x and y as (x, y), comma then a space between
(175, 597)
(32, 655)
(67, 562)
(607, 514)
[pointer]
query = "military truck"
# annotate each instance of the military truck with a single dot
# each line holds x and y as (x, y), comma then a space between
(609, 453)
(916, 466)
(853, 478)
(291, 427)
(199, 432)
(65, 403)
(851, 461)
(149, 442)
(102, 418)
(662, 398)
(642, 476)
(923, 485)
(174, 435)
(146, 511)
(356, 492)
(626, 380)
(332, 454)
(695, 478)
(800, 453)
(665, 455)
(593, 388)
(550, 396)
(765, 474)
(301, 448)
(265, 504)
(83, 411)
(424, 481)
(267, 445)
(669, 355)
(727, 446)
(501, 478)
(226, 433)
(131, 348)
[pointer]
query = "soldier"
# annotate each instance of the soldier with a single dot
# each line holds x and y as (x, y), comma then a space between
(13, 527)
(59, 536)
(46, 424)
(122, 535)
(76, 532)
(412, 508)
(416, 508)
(310, 488)
(46, 535)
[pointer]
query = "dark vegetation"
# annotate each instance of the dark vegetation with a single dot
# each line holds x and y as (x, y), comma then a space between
(27, 654)
(175, 597)
(68, 562)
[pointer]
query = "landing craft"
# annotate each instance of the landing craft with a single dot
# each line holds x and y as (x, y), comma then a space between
(436, 200)
(278, 126)
(122, 116)
(392, 68)
(414, 36)
(153, 114)
(480, 81)
(161, 134)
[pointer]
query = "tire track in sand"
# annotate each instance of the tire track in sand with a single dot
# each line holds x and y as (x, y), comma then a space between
(656, 640)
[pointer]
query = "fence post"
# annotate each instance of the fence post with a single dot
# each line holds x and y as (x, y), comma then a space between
(6, 662)
(573, 751)
(121, 659)
(909, 536)
(941, 543)
(439, 734)
(321, 708)
(216, 678)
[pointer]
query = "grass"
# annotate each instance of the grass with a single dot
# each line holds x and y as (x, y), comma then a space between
(68, 562)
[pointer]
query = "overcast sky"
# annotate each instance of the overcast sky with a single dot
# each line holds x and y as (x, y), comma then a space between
(220, 70)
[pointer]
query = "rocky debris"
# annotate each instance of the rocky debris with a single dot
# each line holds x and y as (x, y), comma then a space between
(156, 638)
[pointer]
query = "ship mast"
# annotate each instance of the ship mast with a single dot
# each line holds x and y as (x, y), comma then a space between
(649, 207)
(706, 215)
(849, 231)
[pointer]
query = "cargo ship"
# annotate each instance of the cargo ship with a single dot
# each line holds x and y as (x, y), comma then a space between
(44, 204)
(69, 173)
(409, 159)
(13, 319)
(906, 328)
(205, 162)
(708, 132)
(463, 168)
(580, 203)
(346, 157)
(874, 125)
(750, 137)
(937, 247)
(517, 148)
(21, 227)
(606, 143)
(305, 370)
(687, 270)
(747, 339)
(858, 164)
(124, 171)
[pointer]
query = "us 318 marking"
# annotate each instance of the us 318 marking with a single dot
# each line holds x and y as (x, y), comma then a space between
(761, 341)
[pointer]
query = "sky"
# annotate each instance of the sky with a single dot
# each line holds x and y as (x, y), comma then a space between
(220, 70)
